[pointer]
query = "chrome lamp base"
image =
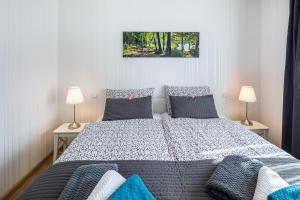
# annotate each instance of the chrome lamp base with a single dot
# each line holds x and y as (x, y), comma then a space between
(247, 122)
(74, 125)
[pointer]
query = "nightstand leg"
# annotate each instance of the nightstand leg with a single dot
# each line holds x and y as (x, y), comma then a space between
(267, 135)
(65, 142)
(55, 147)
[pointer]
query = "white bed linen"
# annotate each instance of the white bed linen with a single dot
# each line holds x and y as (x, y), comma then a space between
(137, 139)
(165, 138)
(198, 139)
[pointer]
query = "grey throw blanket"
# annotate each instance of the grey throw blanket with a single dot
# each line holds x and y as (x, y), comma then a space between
(83, 181)
(234, 178)
(166, 180)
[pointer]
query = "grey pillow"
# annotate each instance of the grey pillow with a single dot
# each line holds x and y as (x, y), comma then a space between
(128, 93)
(122, 109)
(199, 107)
(184, 91)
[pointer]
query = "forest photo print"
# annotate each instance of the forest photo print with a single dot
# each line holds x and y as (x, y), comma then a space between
(161, 44)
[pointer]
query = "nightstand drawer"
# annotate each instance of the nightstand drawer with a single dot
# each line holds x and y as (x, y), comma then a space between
(262, 133)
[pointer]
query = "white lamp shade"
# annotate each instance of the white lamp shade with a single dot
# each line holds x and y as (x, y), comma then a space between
(74, 96)
(247, 94)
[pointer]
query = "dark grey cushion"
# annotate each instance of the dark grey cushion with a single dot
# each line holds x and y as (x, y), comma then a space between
(184, 91)
(122, 109)
(198, 107)
(234, 178)
(83, 181)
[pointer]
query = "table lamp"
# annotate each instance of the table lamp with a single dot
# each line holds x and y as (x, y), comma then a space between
(247, 95)
(74, 97)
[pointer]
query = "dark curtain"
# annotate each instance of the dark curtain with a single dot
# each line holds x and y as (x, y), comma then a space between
(291, 96)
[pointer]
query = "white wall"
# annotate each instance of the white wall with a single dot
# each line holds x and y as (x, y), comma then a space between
(90, 49)
(28, 85)
(274, 24)
(242, 42)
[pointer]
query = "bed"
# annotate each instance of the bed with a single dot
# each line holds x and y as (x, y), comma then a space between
(174, 157)
(168, 140)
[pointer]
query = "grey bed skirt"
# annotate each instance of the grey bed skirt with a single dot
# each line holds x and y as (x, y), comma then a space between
(165, 179)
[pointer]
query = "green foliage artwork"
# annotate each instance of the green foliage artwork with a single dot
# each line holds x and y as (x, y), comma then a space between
(161, 44)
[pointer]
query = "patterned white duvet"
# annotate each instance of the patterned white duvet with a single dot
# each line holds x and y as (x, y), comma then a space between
(139, 139)
(198, 139)
(167, 139)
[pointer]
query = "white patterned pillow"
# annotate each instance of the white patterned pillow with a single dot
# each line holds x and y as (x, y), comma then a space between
(129, 93)
(184, 91)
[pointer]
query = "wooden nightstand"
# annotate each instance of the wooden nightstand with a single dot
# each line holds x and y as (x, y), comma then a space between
(258, 128)
(63, 132)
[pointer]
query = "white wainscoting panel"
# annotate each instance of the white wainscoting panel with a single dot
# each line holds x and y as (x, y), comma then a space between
(28, 85)
(274, 25)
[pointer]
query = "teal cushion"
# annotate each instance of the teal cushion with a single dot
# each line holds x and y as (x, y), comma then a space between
(133, 189)
(288, 193)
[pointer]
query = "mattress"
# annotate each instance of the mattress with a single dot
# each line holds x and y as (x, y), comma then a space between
(137, 139)
(164, 179)
(200, 139)
(174, 157)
